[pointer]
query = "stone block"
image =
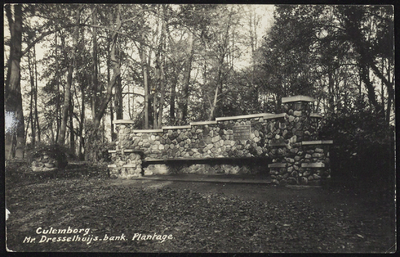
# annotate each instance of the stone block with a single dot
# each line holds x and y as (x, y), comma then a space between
(314, 183)
(297, 113)
(292, 181)
(49, 165)
(303, 181)
(316, 176)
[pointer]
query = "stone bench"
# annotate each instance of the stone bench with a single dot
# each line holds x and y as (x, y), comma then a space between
(204, 160)
(243, 144)
(137, 164)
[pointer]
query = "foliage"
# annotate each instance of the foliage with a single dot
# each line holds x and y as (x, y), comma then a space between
(96, 147)
(55, 151)
(330, 52)
(14, 169)
(363, 144)
(200, 61)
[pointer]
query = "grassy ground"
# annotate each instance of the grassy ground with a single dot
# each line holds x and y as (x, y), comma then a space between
(201, 217)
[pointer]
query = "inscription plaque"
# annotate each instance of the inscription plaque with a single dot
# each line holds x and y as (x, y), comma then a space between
(241, 132)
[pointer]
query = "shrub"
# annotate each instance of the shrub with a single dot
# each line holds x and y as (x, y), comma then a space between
(96, 148)
(55, 151)
(363, 149)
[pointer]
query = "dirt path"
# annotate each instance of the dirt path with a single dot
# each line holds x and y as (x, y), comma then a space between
(204, 217)
(319, 197)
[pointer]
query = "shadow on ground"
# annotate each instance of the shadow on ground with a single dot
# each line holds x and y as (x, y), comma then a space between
(201, 217)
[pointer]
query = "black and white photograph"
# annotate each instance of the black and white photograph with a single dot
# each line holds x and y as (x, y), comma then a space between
(199, 128)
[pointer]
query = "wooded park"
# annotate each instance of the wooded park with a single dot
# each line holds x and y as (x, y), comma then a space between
(72, 69)
(301, 94)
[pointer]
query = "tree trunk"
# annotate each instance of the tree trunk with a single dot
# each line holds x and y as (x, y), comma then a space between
(13, 97)
(174, 81)
(162, 84)
(155, 117)
(365, 60)
(31, 105)
(188, 69)
(71, 125)
(115, 76)
(67, 93)
(52, 139)
(223, 52)
(95, 69)
(218, 88)
(390, 96)
(369, 85)
(27, 127)
(211, 116)
(129, 102)
(58, 106)
(113, 138)
(331, 91)
(35, 97)
(146, 89)
(82, 118)
(172, 101)
(118, 99)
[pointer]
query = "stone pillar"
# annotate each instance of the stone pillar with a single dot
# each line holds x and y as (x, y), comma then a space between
(315, 163)
(126, 164)
(299, 109)
(299, 159)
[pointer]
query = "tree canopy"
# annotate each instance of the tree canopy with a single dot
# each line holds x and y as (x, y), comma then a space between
(72, 69)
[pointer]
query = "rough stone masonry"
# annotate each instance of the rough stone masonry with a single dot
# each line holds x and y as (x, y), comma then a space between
(288, 139)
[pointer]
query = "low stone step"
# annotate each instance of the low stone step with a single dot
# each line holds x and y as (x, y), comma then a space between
(129, 166)
(313, 165)
(277, 165)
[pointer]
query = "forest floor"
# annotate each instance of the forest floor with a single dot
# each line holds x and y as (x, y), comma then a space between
(197, 216)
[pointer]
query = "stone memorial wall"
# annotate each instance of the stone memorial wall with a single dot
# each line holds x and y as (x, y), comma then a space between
(288, 141)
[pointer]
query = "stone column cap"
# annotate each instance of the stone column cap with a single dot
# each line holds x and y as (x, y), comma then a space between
(297, 98)
(123, 122)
